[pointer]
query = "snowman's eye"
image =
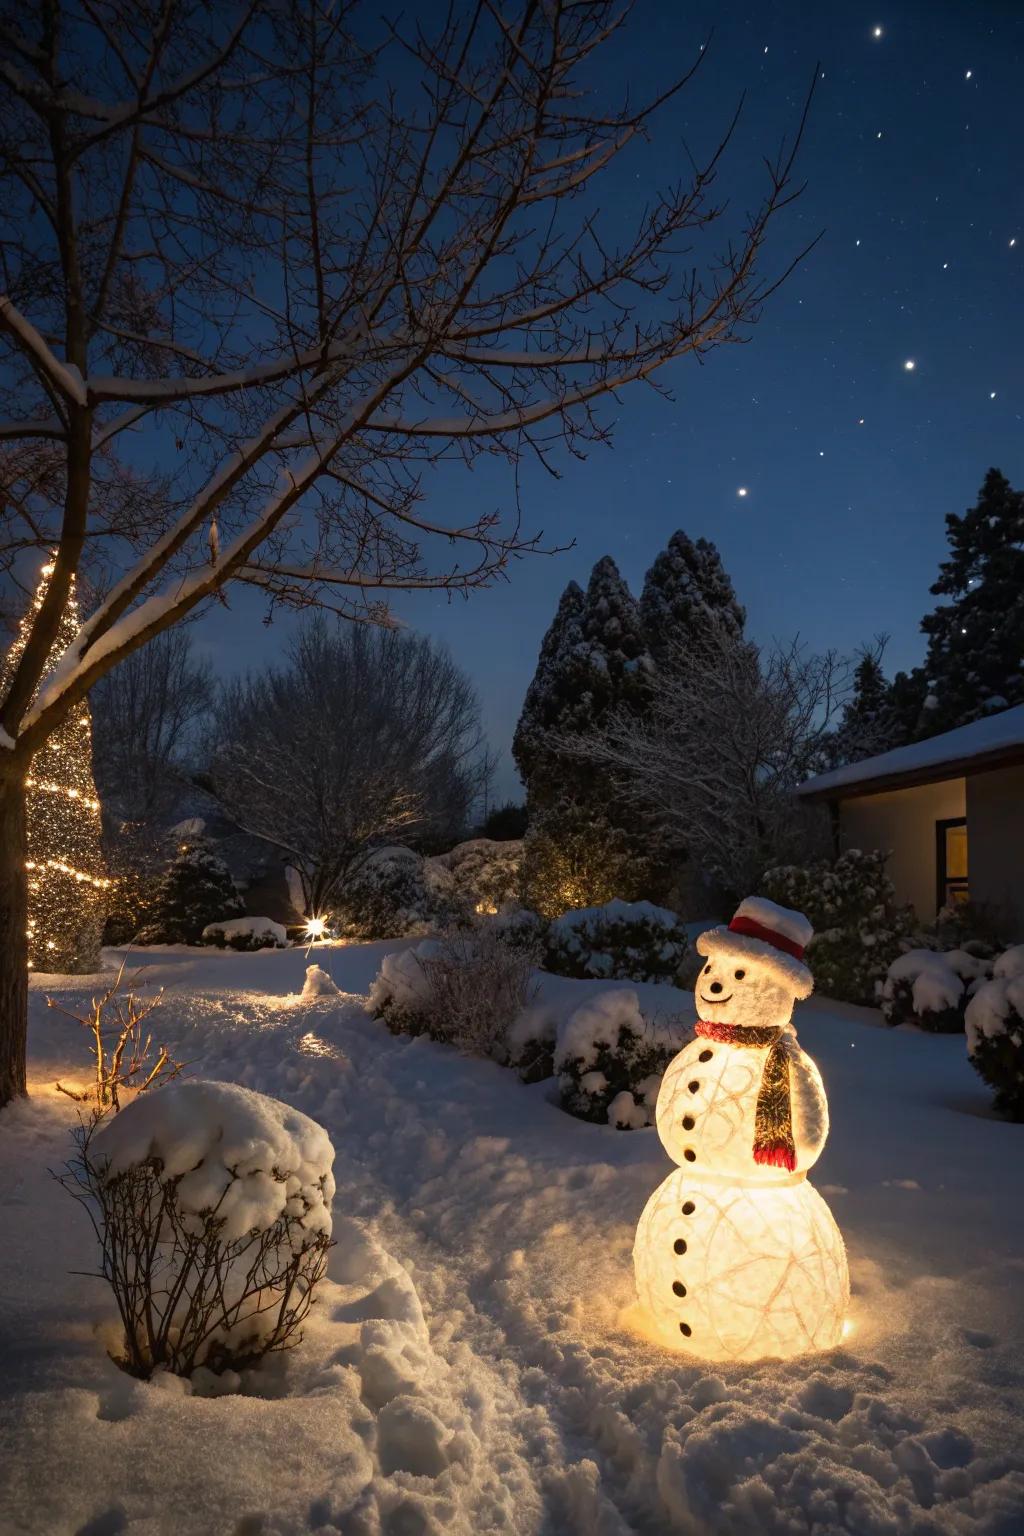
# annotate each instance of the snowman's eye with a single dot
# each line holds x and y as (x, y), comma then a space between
(740, 975)
(707, 968)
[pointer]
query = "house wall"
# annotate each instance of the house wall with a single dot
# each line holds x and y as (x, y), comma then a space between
(903, 821)
(995, 841)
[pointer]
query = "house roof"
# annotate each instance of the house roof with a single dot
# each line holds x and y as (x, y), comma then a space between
(997, 741)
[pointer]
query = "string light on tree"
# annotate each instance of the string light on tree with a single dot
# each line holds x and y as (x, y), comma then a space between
(736, 1256)
(67, 880)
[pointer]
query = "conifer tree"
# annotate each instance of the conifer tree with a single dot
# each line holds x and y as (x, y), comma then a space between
(687, 589)
(593, 660)
(549, 697)
(976, 640)
(195, 890)
(870, 722)
(67, 880)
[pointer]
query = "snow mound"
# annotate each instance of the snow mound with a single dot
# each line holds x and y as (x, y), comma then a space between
(246, 933)
(252, 1157)
(318, 983)
(402, 983)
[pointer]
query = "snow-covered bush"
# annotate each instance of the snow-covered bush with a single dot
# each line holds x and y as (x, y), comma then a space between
(531, 1043)
(858, 927)
(630, 941)
(995, 1034)
(926, 988)
(485, 875)
(520, 927)
(467, 988)
(610, 1059)
(212, 1205)
(246, 933)
(396, 893)
(195, 890)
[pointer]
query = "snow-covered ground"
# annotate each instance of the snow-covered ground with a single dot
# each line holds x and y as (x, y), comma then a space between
(473, 1366)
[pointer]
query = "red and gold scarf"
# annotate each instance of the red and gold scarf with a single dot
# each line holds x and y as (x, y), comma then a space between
(773, 1114)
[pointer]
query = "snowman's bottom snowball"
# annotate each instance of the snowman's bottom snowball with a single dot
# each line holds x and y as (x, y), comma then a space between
(741, 1271)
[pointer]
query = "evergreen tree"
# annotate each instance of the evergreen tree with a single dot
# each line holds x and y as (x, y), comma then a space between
(870, 722)
(67, 880)
(549, 697)
(195, 890)
(582, 846)
(976, 640)
(687, 589)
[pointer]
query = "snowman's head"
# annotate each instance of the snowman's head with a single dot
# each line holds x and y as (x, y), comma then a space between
(737, 989)
(754, 970)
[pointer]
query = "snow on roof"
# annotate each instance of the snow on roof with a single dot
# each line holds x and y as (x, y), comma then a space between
(997, 738)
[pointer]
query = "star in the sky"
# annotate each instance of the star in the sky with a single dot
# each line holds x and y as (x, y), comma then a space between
(877, 32)
(909, 365)
(742, 491)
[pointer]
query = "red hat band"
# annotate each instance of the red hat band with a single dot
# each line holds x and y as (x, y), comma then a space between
(755, 930)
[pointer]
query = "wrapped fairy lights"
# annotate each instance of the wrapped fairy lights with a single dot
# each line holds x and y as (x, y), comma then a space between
(66, 875)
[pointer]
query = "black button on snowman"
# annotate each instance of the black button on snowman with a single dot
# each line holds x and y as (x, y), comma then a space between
(736, 1256)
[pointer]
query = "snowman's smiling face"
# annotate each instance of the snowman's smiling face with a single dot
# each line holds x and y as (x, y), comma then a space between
(737, 989)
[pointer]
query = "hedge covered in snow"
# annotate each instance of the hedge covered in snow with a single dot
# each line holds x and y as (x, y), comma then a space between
(628, 941)
(246, 933)
(930, 989)
(485, 875)
(858, 927)
(610, 1059)
(395, 893)
(995, 1032)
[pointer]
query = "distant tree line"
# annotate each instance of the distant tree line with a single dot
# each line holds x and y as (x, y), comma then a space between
(659, 745)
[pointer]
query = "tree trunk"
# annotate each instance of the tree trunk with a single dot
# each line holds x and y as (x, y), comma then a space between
(13, 938)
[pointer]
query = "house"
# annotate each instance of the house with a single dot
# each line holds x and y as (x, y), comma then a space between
(950, 809)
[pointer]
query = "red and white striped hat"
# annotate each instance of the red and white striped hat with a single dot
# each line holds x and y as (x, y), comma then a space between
(771, 934)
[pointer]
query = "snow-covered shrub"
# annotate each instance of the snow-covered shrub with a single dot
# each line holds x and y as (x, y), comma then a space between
(467, 988)
(925, 988)
(520, 927)
(610, 1059)
(195, 890)
(485, 875)
(1009, 966)
(531, 1043)
(995, 1035)
(396, 893)
(212, 1205)
(630, 941)
(246, 933)
(574, 857)
(858, 927)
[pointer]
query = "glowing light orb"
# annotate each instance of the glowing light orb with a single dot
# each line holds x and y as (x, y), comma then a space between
(909, 365)
(877, 32)
(316, 927)
(742, 491)
(737, 1256)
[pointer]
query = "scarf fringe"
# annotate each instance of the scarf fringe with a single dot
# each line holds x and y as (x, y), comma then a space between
(776, 1155)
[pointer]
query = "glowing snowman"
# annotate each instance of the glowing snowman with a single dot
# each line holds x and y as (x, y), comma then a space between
(737, 1256)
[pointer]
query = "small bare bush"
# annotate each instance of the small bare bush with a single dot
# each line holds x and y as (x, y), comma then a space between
(121, 1046)
(209, 1266)
(466, 988)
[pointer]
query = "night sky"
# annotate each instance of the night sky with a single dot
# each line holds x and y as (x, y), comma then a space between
(848, 456)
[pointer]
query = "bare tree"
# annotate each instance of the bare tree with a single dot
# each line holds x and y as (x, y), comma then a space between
(726, 737)
(146, 713)
(252, 293)
(364, 736)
